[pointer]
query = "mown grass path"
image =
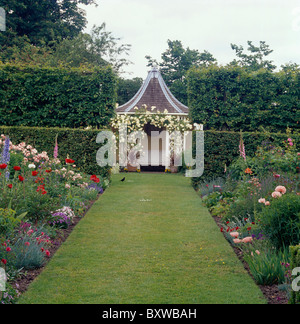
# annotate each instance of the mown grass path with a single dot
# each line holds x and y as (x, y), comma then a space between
(145, 241)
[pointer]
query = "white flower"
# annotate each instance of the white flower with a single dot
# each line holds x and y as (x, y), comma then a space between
(31, 166)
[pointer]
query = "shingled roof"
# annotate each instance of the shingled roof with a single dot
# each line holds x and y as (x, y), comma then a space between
(156, 96)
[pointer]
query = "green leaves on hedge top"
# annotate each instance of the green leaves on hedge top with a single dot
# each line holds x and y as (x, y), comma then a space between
(232, 98)
(47, 97)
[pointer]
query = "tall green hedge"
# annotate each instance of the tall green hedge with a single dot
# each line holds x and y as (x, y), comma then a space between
(56, 97)
(231, 98)
(223, 147)
(79, 144)
(295, 263)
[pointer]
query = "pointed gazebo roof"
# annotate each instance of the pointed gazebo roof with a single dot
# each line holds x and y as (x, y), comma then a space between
(156, 96)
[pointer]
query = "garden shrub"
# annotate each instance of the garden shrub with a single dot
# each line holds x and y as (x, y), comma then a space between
(57, 97)
(232, 98)
(222, 148)
(295, 263)
(281, 221)
(79, 144)
(8, 222)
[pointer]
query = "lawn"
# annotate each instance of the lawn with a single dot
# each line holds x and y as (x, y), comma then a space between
(147, 240)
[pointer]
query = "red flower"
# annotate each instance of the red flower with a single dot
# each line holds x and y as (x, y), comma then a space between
(8, 249)
(4, 261)
(3, 166)
(47, 253)
(21, 178)
(69, 161)
(9, 186)
(95, 179)
(34, 173)
(44, 192)
(249, 229)
(17, 168)
(222, 230)
(49, 171)
(27, 243)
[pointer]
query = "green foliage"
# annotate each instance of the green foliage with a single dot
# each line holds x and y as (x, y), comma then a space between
(42, 21)
(10, 296)
(56, 97)
(222, 148)
(281, 221)
(232, 98)
(99, 48)
(295, 263)
(8, 222)
(266, 264)
(79, 144)
(29, 251)
(256, 59)
(127, 89)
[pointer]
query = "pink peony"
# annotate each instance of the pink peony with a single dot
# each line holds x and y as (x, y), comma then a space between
(237, 241)
(276, 194)
(262, 200)
(281, 189)
(247, 239)
(267, 203)
(235, 234)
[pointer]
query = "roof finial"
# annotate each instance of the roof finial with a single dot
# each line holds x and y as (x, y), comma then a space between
(154, 67)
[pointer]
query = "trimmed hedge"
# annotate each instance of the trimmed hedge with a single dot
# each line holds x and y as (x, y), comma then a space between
(223, 147)
(56, 97)
(79, 144)
(295, 263)
(230, 98)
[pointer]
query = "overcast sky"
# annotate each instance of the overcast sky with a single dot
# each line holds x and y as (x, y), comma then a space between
(210, 25)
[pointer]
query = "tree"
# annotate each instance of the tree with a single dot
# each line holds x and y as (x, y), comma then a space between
(256, 59)
(127, 89)
(98, 48)
(42, 22)
(176, 61)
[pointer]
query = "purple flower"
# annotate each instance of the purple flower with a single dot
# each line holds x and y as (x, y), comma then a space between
(5, 157)
(96, 187)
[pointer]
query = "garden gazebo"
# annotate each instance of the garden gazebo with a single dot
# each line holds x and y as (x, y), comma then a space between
(155, 98)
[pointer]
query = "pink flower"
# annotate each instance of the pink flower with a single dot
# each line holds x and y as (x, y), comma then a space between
(276, 194)
(237, 241)
(27, 243)
(257, 252)
(262, 200)
(247, 239)
(8, 249)
(235, 234)
(281, 189)
(267, 203)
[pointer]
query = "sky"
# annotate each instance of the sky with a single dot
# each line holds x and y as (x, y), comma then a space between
(210, 25)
